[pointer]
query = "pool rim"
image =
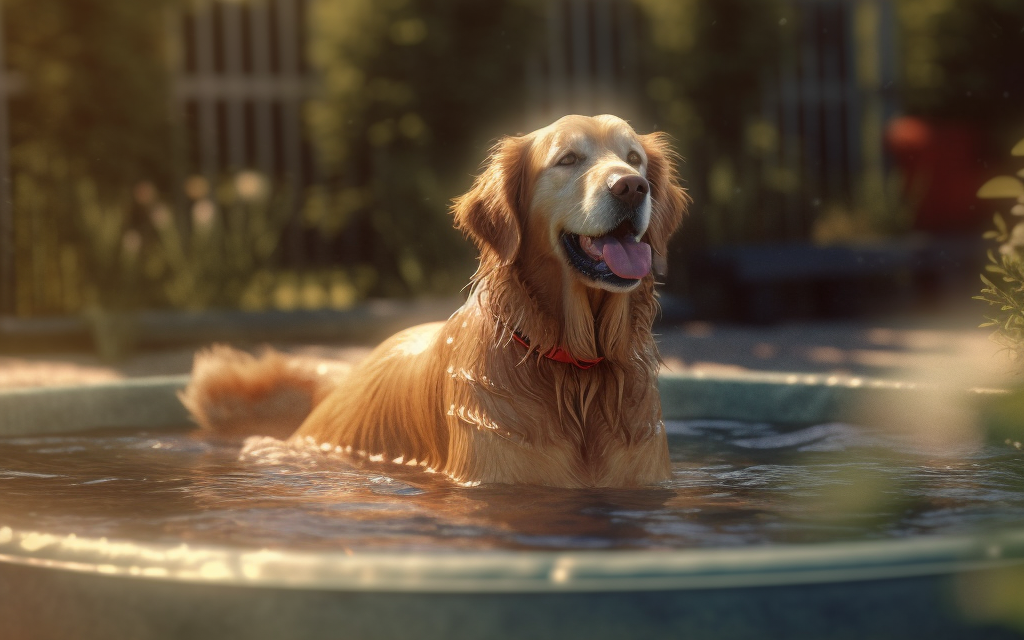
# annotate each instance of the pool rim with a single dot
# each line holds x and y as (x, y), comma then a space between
(772, 397)
(519, 571)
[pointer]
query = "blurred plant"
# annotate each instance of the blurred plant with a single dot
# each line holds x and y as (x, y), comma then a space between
(993, 596)
(717, 69)
(391, 126)
(413, 93)
(410, 95)
(89, 118)
(223, 251)
(1006, 291)
(705, 68)
(961, 62)
(231, 232)
(872, 214)
(79, 239)
(96, 85)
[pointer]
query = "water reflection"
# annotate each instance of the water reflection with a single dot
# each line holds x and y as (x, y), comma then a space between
(733, 484)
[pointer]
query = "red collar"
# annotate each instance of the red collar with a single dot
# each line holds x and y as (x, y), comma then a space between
(558, 354)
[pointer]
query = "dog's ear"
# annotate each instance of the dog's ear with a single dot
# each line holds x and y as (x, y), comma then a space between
(668, 199)
(491, 211)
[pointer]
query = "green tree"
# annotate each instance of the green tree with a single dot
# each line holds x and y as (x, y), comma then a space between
(962, 63)
(706, 63)
(91, 121)
(414, 91)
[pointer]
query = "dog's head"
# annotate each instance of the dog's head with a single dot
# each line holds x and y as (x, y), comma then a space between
(586, 193)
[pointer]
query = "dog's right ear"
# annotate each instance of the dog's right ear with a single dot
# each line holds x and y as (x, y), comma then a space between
(491, 211)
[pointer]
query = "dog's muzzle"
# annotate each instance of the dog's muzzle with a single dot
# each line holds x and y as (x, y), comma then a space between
(630, 189)
(632, 205)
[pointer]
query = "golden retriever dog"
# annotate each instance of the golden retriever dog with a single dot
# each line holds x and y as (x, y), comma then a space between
(547, 374)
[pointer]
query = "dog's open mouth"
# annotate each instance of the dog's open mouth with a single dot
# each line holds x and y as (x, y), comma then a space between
(615, 258)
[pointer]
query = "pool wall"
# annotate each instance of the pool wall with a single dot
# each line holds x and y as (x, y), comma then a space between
(785, 398)
(65, 587)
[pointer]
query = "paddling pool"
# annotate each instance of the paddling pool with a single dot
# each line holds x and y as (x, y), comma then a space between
(784, 518)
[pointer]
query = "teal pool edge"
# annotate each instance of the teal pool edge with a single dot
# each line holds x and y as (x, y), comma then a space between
(142, 402)
(517, 571)
(786, 398)
(771, 397)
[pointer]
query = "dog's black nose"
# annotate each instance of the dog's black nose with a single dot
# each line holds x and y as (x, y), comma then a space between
(631, 189)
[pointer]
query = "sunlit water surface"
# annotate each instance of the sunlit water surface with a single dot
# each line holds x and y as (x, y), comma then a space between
(733, 484)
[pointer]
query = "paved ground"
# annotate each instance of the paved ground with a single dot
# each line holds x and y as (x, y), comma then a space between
(937, 349)
(942, 347)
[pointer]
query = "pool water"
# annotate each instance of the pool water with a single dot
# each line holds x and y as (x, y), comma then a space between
(733, 484)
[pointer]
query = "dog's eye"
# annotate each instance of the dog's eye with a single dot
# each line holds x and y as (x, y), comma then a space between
(569, 158)
(634, 158)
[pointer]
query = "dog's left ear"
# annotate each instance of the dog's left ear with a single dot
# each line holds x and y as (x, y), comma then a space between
(491, 211)
(668, 199)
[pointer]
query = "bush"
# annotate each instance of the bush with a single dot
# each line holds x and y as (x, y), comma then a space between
(1006, 291)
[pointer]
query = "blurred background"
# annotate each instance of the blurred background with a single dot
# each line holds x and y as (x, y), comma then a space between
(301, 154)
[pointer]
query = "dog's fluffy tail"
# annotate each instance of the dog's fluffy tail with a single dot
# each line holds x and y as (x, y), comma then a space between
(233, 394)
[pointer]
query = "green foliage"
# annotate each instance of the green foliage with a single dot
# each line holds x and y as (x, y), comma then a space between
(231, 234)
(1007, 296)
(706, 62)
(414, 93)
(1004, 291)
(91, 120)
(962, 62)
(97, 89)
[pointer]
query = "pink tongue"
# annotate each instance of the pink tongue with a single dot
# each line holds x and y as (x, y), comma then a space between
(626, 257)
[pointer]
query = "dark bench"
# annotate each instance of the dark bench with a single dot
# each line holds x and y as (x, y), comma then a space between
(769, 283)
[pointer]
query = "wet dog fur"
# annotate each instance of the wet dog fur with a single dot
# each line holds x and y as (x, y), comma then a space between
(465, 397)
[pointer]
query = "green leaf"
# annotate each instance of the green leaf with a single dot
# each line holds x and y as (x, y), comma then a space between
(1001, 187)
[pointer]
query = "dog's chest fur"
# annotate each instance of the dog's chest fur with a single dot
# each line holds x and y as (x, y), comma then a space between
(516, 416)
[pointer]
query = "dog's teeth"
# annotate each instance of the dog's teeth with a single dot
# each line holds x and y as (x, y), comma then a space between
(587, 244)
